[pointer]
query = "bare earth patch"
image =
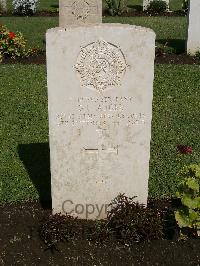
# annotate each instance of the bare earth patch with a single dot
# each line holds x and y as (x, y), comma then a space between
(20, 243)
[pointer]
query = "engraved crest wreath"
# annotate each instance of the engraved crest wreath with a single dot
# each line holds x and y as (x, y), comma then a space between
(80, 9)
(100, 65)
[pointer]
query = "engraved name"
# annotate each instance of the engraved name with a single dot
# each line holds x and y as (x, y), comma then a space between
(100, 111)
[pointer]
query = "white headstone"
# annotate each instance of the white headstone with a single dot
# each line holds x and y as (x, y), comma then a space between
(3, 6)
(100, 89)
(79, 12)
(193, 40)
(147, 2)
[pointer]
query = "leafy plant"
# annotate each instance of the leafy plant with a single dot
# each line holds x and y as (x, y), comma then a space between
(116, 7)
(24, 7)
(185, 4)
(197, 55)
(129, 221)
(13, 45)
(162, 50)
(157, 6)
(188, 216)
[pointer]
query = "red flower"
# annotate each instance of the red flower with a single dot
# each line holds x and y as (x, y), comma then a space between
(12, 35)
(184, 149)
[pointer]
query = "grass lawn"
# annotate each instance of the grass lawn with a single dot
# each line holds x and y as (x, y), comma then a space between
(52, 5)
(171, 29)
(24, 157)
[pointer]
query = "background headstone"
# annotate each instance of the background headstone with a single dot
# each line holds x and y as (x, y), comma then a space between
(3, 6)
(79, 12)
(193, 40)
(100, 89)
(147, 2)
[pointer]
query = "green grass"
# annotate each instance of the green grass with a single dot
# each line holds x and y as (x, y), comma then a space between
(23, 119)
(175, 121)
(172, 29)
(24, 159)
(52, 5)
(33, 28)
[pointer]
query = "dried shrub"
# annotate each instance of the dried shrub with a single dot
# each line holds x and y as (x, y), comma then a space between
(57, 228)
(129, 221)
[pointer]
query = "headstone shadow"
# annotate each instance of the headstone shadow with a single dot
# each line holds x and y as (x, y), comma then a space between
(36, 159)
(177, 44)
(135, 7)
(55, 6)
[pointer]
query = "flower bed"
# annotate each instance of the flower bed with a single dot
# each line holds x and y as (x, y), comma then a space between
(13, 45)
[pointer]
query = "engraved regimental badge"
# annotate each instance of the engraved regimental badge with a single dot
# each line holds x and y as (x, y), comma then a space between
(101, 65)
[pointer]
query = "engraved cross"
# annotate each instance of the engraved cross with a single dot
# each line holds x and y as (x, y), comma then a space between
(102, 150)
(101, 147)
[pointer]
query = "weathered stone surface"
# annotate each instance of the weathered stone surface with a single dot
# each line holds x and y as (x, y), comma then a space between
(147, 2)
(3, 6)
(100, 89)
(193, 40)
(79, 12)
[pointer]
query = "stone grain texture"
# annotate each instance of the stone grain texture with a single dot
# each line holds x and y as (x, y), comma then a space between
(193, 40)
(79, 12)
(100, 90)
(3, 6)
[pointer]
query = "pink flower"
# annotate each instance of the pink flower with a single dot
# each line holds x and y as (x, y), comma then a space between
(184, 149)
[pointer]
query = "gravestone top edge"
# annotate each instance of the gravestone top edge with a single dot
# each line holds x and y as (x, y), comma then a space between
(104, 25)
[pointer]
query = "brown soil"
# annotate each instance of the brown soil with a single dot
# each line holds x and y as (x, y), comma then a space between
(21, 245)
(161, 59)
(36, 59)
(177, 59)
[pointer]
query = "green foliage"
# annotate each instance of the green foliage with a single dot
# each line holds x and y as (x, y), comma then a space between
(157, 6)
(197, 55)
(185, 4)
(116, 7)
(164, 49)
(24, 7)
(189, 193)
(13, 44)
(24, 121)
(164, 27)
